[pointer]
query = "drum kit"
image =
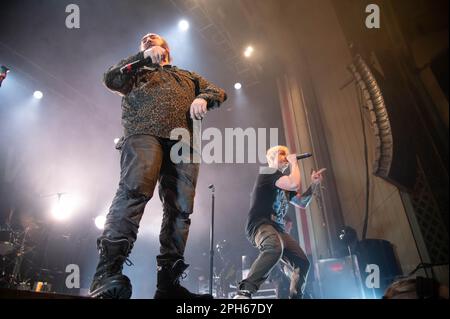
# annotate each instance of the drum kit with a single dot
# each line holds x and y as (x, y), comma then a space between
(13, 249)
(7, 241)
(17, 264)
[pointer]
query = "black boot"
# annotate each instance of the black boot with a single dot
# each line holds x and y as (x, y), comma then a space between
(168, 286)
(109, 282)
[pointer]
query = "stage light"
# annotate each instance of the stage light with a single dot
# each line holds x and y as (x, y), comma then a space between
(248, 51)
(38, 95)
(100, 221)
(238, 86)
(183, 25)
(336, 267)
(64, 207)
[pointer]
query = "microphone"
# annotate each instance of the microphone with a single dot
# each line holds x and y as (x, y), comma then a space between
(134, 66)
(304, 155)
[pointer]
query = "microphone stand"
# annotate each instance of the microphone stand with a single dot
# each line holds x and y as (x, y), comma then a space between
(211, 241)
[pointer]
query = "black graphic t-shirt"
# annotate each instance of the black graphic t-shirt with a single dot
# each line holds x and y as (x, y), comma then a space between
(269, 204)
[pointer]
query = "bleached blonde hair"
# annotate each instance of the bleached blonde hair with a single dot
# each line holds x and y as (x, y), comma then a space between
(272, 152)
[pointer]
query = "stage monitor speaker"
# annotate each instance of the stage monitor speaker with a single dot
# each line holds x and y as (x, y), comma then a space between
(339, 278)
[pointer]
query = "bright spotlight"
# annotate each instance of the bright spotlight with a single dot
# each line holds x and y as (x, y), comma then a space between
(248, 51)
(183, 25)
(64, 207)
(100, 222)
(38, 95)
(238, 86)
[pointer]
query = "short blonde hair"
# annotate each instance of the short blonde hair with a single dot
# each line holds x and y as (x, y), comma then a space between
(271, 153)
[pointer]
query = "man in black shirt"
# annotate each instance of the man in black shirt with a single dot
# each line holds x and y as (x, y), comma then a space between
(157, 99)
(265, 226)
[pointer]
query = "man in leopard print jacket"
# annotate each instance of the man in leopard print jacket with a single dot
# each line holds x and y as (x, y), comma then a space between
(156, 99)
